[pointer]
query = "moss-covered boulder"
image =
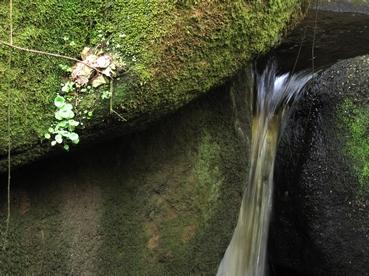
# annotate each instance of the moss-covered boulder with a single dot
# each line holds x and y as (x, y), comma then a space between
(162, 201)
(323, 172)
(173, 51)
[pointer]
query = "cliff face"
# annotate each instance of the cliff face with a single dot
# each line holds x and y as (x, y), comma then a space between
(172, 51)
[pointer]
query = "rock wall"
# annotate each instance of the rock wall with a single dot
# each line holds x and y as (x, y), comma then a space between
(162, 201)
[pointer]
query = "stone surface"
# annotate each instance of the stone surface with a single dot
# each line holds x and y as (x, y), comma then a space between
(321, 212)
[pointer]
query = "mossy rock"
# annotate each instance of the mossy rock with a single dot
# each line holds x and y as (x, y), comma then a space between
(163, 201)
(323, 172)
(174, 52)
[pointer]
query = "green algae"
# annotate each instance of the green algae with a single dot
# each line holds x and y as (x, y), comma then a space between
(355, 119)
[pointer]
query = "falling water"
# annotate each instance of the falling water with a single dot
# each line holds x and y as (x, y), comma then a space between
(270, 104)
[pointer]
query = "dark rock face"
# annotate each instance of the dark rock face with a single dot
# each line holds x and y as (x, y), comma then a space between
(335, 36)
(162, 201)
(321, 210)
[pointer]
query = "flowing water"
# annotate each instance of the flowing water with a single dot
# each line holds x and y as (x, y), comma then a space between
(270, 104)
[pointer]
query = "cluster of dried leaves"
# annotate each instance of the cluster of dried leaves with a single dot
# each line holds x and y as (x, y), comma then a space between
(95, 70)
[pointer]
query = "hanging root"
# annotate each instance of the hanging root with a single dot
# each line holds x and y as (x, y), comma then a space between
(9, 130)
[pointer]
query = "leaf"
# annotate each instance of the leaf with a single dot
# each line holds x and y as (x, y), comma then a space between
(108, 72)
(106, 95)
(65, 114)
(59, 101)
(58, 116)
(61, 124)
(91, 59)
(98, 81)
(85, 52)
(81, 73)
(64, 133)
(67, 106)
(47, 135)
(73, 123)
(103, 61)
(68, 87)
(59, 139)
(74, 137)
(66, 147)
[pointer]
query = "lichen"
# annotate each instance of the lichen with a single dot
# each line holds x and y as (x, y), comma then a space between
(355, 120)
(174, 50)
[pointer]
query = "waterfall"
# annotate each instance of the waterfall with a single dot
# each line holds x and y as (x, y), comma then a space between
(270, 103)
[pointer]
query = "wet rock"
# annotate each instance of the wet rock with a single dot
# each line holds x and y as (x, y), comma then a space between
(321, 214)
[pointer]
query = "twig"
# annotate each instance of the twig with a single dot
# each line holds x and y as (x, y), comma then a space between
(49, 54)
(111, 109)
(120, 116)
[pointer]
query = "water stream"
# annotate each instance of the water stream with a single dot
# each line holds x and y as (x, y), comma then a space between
(270, 104)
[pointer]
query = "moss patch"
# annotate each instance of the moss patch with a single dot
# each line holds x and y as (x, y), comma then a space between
(355, 118)
(174, 50)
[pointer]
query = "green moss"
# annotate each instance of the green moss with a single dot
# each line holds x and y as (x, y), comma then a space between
(208, 174)
(355, 119)
(174, 50)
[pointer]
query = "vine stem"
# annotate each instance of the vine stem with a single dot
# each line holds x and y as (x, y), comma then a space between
(8, 127)
(11, 45)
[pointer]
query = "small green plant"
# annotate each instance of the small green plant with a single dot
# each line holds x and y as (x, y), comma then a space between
(68, 87)
(95, 70)
(105, 95)
(63, 132)
(65, 68)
